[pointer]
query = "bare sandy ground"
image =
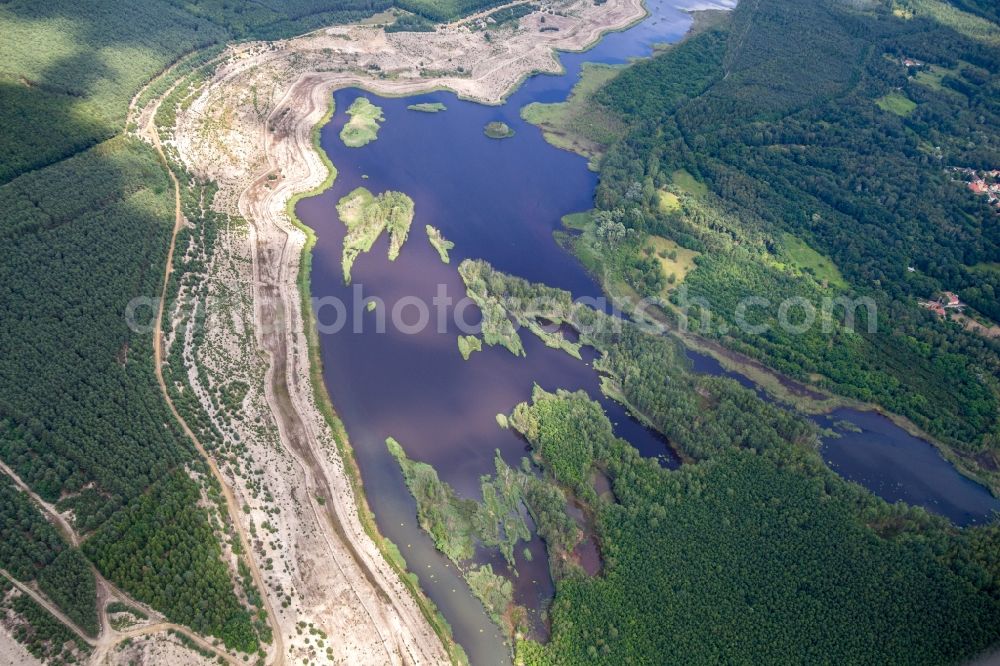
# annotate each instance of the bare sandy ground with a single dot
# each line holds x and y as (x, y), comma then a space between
(13, 653)
(223, 136)
(152, 650)
(334, 597)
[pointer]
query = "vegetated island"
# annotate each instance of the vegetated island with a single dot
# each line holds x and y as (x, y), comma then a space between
(363, 126)
(498, 130)
(497, 328)
(428, 107)
(367, 216)
(457, 525)
(468, 344)
(440, 243)
(658, 531)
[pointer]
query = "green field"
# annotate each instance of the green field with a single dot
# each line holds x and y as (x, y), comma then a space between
(811, 261)
(987, 267)
(675, 261)
(931, 77)
(668, 202)
(685, 182)
(896, 102)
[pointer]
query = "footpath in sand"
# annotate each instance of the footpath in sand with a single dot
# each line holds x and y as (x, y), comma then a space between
(250, 131)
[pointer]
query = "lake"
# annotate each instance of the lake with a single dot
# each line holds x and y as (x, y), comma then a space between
(499, 201)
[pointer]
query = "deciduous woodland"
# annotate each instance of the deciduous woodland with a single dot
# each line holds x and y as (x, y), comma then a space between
(755, 549)
(760, 157)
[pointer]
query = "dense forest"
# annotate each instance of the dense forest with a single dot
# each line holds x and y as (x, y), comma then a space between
(738, 151)
(70, 68)
(86, 215)
(78, 401)
(746, 558)
(162, 549)
(81, 417)
(752, 550)
(32, 550)
(43, 636)
(446, 10)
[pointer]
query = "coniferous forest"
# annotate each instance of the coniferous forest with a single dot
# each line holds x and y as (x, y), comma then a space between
(86, 211)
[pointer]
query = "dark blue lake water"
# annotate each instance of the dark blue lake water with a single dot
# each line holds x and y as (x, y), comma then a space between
(499, 201)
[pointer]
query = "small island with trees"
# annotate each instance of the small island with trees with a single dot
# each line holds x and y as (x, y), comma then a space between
(440, 243)
(362, 128)
(498, 130)
(366, 216)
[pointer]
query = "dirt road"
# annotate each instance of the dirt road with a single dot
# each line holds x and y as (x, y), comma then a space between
(392, 614)
(276, 651)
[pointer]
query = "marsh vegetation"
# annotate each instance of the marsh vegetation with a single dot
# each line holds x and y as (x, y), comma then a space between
(428, 107)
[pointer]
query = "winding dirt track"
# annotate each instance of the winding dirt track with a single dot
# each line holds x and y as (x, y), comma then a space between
(275, 256)
(50, 607)
(54, 516)
(276, 652)
(414, 644)
(108, 637)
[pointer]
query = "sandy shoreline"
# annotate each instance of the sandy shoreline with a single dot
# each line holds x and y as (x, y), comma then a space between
(251, 131)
